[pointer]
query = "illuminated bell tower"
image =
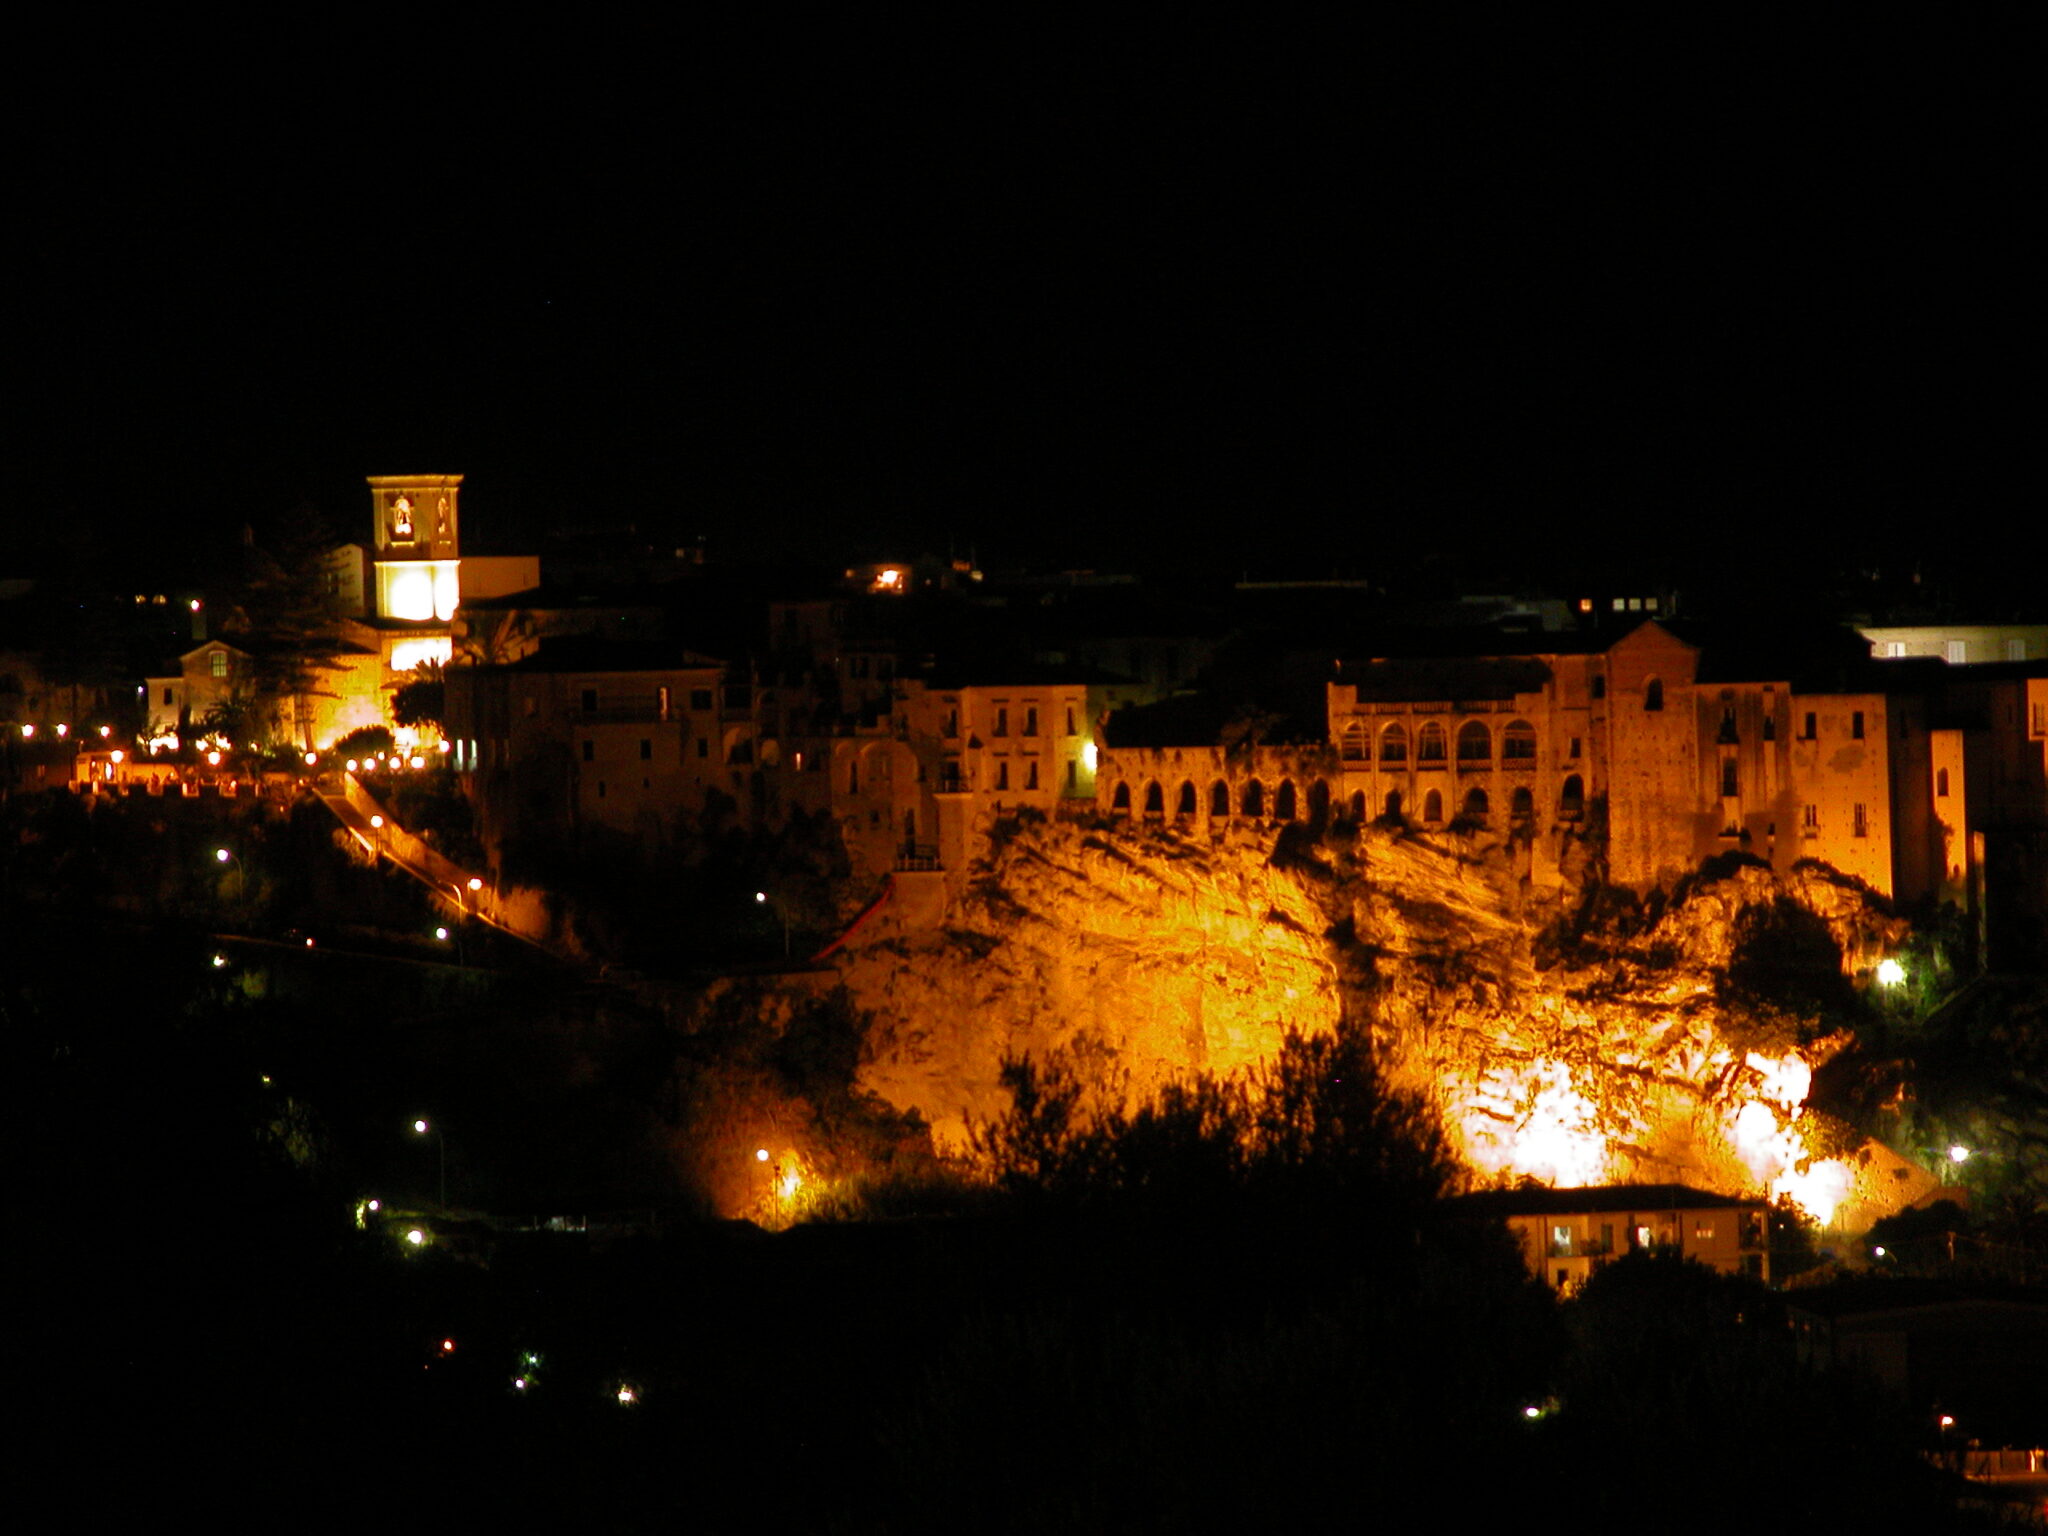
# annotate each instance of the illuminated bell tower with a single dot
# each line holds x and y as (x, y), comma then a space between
(417, 556)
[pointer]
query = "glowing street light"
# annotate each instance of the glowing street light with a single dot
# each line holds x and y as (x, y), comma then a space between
(1958, 1154)
(1890, 973)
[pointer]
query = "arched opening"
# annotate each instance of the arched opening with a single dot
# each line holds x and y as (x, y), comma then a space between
(1430, 743)
(1318, 804)
(1394, 744)
(1121, 800)
(1433, 807)
(1254, 801)
(1393, 805)
(1351, 742)
(1476, 805)
(1475, 743)
(1155, 799)
(1571, 800)
(1358, 805)
(1653, 694)
(1521, 807)
(1184, 808)
(1518, 743)
(1283, 801)
(1219, 800)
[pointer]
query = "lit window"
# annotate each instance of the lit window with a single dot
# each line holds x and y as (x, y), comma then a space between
(219, 663)
(1954, 652)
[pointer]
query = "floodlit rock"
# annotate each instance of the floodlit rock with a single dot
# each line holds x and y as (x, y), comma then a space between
(1143, 955)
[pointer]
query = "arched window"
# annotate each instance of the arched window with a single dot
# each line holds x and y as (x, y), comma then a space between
(1351, 741)
(1155, 799)
(1476, 805)
(1394, 744)
(1430, 743)
(1475, 743)
(1433, 807)
(1121, 800)
(1653, 694)
(1393, 805)
(1571, 800)
(1254, 801)
(1219, 800)
(1318, 803)
(1358, 805)
(1283, 801)
(1186, 806)
(1518, 743)
(1522, 806)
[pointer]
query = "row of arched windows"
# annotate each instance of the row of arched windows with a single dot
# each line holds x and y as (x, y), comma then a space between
(1431, 743)
(1251, 801)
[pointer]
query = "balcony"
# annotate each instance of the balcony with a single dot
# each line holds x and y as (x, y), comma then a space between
(917, 857)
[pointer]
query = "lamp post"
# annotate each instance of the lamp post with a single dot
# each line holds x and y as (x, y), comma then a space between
(761, 899)
(424, 1127)
(377, 826)
(227, 856)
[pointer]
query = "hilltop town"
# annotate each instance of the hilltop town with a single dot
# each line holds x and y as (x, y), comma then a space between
(611, 704)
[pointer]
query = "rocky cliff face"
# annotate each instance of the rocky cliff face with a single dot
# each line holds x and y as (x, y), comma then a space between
(1621, 1047)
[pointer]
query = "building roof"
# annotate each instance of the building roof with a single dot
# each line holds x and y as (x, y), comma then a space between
(1541, 1200)
(1494, 678)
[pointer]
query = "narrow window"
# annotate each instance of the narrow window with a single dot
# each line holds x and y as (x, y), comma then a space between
(661, 701)
(1002, 722)
(1031, 775)
(1574, 754)
(589, 751)
(1121, 800)
(1653, 694)
(1770, 728)
(1728, 780)
(1073, 774)
(1599, 685)
(1809, 817)
(646, 749)
(589, 700)
(1856, 725)
(1002, 775)
(1862, 820)
(703, 746)
(1941, 782)
(1812, 727)
(1070, 720)
(1031, 722)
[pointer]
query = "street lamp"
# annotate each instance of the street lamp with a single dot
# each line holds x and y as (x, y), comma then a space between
(424, 1127)
(226, 856)
(761, 900)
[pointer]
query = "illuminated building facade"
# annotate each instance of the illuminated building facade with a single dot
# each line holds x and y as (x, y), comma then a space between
(1568, 1235)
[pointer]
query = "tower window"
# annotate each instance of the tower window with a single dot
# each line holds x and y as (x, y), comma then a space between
(1810, 728)
(1862, 820)
(1856, 725)
(1653, 694)
(1728, 778)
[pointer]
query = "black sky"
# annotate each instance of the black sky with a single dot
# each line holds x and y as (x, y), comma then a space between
(1272, 300)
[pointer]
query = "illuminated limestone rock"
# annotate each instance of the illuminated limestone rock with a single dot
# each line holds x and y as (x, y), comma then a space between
(1145, 954)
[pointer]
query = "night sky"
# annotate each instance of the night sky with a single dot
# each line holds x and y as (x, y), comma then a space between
(1272, 301)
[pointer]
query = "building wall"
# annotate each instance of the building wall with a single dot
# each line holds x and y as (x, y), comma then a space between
(1656, 817)
(1841, 783)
